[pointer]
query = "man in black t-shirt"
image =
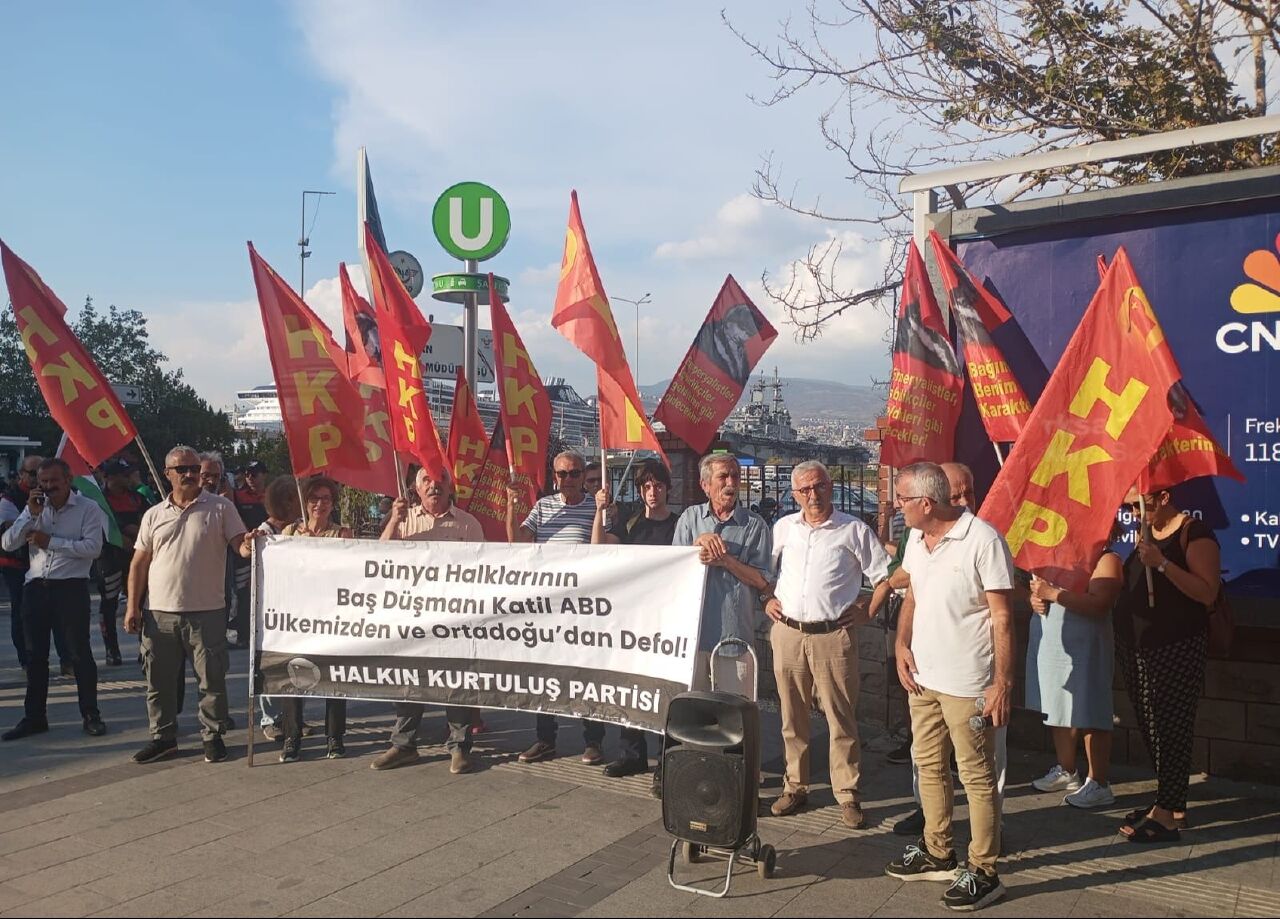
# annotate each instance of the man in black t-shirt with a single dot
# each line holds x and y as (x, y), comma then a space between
(653, 525)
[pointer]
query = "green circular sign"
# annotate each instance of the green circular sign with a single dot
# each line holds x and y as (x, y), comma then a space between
(453, 288)
(471, 221)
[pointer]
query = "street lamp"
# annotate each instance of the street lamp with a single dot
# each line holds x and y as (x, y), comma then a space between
(305, 239)
(637, 304)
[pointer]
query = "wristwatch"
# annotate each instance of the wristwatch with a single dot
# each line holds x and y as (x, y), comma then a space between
(1162, 566)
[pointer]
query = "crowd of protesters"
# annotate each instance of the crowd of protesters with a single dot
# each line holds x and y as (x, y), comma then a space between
(182, 563)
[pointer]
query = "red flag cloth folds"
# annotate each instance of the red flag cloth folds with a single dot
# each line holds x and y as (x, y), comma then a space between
(1093, 430)
(364, 351)
(403, 333)
(582, 315)
(79, 397)
(1002, 403)
(1188, 451)
(68, 453)
(488, 499)
(382, 478)
(525, 405)
(321, 410)
(467, 440)
(716, 368)
(924, 387)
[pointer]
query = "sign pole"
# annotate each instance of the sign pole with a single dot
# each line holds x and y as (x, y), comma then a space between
(470, 311)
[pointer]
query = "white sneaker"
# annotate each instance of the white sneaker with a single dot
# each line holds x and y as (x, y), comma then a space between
(1091, 794)
(1058, 779)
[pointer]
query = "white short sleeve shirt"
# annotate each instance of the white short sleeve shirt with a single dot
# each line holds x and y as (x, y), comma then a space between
(820, 568)
(951, 637)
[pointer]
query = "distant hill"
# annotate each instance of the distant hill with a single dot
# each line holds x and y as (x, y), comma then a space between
(820, 399)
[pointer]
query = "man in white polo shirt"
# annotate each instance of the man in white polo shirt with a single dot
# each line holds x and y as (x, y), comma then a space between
(179, 566)
(955, 659)
(820, 555)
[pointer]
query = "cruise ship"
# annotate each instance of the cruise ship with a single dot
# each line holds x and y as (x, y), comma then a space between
(573, 419)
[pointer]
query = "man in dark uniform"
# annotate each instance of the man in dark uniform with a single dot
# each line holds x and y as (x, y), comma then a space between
(253, 513)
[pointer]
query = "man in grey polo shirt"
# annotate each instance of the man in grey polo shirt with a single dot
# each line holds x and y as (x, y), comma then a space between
(736, 548)
(179, 566)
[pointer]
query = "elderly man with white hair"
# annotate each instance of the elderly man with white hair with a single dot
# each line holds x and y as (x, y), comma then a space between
(821, 556)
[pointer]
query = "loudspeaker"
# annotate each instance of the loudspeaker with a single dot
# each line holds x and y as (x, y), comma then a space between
(711, 769)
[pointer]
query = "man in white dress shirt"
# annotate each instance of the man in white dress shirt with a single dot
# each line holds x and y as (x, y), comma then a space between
(64, 532)
(821, 555)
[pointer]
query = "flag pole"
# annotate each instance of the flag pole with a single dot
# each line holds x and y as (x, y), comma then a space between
(395, 454)
(253, 643)
(146, 456)
(1146, 534)
(999, 455)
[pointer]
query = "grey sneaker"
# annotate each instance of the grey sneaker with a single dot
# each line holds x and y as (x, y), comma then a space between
(1058, 779)
(1091, 794)
(916, 864)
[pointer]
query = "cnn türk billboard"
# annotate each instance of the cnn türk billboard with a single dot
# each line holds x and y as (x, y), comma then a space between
(1212, 273)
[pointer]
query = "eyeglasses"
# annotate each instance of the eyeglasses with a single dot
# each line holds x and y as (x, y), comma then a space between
(901, 499)
(807, 490)
(320, 499)
(193, 469)
(568, 473)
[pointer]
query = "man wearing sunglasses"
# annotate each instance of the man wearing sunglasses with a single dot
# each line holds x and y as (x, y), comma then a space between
(564, 517)
(179, 567)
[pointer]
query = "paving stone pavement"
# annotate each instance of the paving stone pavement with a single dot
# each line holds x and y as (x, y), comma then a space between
(84, 831)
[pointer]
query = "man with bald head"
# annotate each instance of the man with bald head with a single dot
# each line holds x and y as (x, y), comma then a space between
(179, 570)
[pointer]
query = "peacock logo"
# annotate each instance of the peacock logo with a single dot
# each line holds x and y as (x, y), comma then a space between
(1260, 294)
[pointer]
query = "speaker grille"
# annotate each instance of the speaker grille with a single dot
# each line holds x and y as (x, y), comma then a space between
(703, 798)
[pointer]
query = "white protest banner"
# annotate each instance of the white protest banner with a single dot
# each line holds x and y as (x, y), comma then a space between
(602, 632)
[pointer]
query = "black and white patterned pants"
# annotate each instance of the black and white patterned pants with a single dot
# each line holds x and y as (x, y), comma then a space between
(1164, 686)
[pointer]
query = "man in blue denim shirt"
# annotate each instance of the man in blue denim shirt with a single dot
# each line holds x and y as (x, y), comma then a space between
(736, 547)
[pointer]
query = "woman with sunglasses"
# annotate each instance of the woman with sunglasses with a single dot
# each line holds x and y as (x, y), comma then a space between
(1161, 648)
(1070, 669)
(319, 495)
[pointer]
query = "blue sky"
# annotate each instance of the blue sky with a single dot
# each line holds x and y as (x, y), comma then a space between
(146, 142)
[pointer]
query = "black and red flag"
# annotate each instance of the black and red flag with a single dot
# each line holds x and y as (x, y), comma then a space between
(716, 368)
(1002, 403)
(924, 389)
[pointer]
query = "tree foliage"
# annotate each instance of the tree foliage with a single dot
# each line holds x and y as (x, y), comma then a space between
(952, 81)
(170, 413)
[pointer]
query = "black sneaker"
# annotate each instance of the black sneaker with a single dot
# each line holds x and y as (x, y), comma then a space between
(901, 754)
(289, 752)
(156, 750)
(621, 768)
(337, 750)
(93, 725)
(916, 864)
(973, 889)
(25, 728)
(910, 825)
(215, 751)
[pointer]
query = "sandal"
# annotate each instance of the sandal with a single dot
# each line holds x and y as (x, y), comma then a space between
(1136, 816)
(1149, 831)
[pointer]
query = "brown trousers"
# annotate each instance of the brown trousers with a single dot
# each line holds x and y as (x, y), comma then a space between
(940, 723)
(825, 666)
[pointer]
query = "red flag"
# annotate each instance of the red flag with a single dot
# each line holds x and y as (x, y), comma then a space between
(364, 351)
(382, 478)
(924, 388)
(1102, 415)
(321, 410)
(488, 499)
(68, 453)
(582, 314)
(404, 333)
(716, 368)
(79, 397)
(526, 407)
(1002, 404)
(467, 439)
(1188, 451)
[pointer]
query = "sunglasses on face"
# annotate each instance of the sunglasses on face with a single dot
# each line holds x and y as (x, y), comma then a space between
(193, 469)
(568, 473)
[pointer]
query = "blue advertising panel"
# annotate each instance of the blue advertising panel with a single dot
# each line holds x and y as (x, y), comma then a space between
(1212, 274)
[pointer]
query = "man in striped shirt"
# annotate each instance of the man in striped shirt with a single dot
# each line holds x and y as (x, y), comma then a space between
(564, 517)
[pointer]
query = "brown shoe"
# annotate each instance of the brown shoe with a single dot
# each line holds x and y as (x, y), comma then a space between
(538, 752)
(788, 803)
(394, 758)
(460, 762)
(851, 815)
(592, 755)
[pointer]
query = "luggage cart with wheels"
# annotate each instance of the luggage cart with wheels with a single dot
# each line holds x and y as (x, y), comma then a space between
(762, 855)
